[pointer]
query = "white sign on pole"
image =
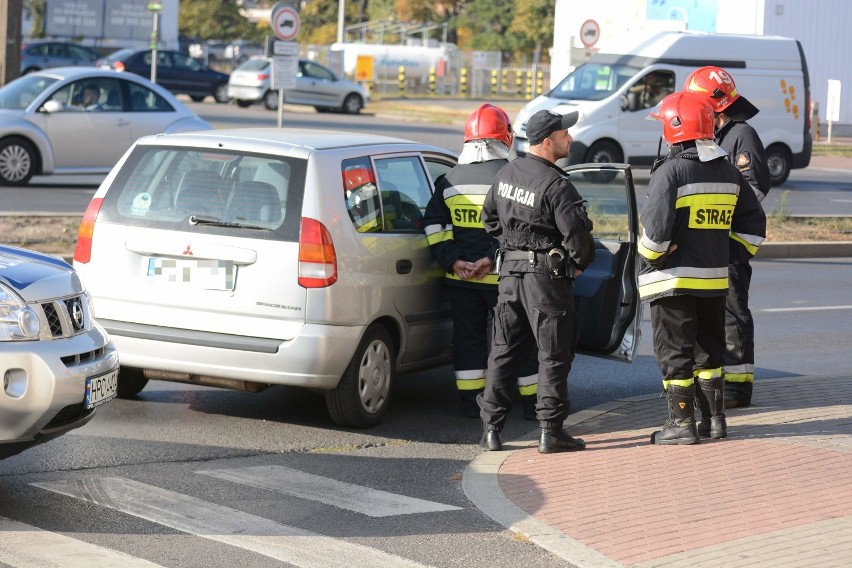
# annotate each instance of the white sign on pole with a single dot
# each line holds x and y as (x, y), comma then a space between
(832, 107)
(285, 22)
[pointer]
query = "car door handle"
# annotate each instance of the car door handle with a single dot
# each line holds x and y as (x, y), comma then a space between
(404, 266)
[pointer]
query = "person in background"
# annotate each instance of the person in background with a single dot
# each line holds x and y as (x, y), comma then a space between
(746, 152)
(696, 199)
(545, 239)
(458, 241)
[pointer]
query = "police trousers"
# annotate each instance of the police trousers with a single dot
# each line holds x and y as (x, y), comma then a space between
(533, 312)
(689, 334)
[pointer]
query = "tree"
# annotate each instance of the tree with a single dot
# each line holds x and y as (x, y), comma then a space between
(488, 22)
(532, 25)
(36, 9)
(215, 19)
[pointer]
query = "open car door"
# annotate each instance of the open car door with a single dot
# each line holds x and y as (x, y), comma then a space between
(606, 295)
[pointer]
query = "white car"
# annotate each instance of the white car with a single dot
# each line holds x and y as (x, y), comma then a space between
(249, 258)
(316, 86)
(58, 364)
(46, 126)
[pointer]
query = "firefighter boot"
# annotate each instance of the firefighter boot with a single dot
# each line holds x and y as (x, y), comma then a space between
(680, 427)
(554, 440)
(490, 438)
(710, 395)
(738, 394)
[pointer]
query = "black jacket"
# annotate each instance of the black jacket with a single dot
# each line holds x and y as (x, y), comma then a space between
(746, 152)
(532, 206)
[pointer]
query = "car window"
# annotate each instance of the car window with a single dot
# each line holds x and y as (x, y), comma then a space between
(314, 71)
(404, 191)
(79, 53)
(437, 168)
(181, 61)
(209, 191)
(651, 89)
(254, 65)
(97, 94)
(56, 50)
(20, 93)
(143, 99)
(362, 195)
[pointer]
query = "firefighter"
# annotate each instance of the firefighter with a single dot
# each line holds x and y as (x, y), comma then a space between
(458, 241)
(545, 239)
(746, 151)
(696, 198)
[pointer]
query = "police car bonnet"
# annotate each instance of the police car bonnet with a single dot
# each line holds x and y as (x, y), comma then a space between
(545, 122)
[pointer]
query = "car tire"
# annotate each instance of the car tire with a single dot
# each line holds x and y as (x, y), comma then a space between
(603, 152)
(363, 394)
(220, 93)
(243, 103)
(130, 382)
(352, 104)
(778, 162)
(322, 109)
(270, 100)
(18, 161)
(197, 98)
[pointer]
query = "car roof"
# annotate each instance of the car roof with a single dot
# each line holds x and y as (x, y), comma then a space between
(284, 139)
(82, 71)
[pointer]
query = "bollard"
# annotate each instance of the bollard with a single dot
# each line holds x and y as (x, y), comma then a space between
(401, 78)
(493, 81)
(504, 80)
(539, 82)
(519, 83)
(463, 81)
(431, 81)
(529, 85)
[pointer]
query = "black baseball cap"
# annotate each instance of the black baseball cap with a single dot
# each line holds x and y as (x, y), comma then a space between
(545, 122)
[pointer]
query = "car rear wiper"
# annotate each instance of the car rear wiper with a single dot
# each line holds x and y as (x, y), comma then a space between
(213, 222)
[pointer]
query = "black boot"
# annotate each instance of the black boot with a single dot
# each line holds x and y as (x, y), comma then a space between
(738, 394)
(710, 395)
(554, 440)
(491, 438)
(680, 427)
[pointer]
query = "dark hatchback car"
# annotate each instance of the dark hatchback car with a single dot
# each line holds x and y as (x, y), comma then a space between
(38, 55)
(177, 72)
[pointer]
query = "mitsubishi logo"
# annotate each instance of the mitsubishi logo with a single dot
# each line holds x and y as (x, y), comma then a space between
(77, 314)
(188, 251)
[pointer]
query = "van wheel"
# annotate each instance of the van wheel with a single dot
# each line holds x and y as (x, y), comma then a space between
(270, 100)
(603, 152)
(130, 382)
(17, 161)
(363, 394)
(779, 163)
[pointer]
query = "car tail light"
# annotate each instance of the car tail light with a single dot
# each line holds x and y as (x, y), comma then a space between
(83, 252)
(118, 66)
(317, 259)
(262, 76)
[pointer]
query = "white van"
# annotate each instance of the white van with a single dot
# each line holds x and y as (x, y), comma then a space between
(615, 92)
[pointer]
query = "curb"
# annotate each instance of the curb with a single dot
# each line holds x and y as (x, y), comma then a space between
(825, 249)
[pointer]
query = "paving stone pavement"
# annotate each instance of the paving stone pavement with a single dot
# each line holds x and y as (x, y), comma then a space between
(776, 493)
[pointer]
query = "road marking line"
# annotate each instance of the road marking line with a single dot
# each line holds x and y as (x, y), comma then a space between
(25, 546)
(806, 309)
(339, 494)
(224, 524)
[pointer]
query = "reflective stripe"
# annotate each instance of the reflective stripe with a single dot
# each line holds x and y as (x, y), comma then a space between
(750, 242)
(739, 377)
(487, 279)
(432, 229)
(705, 199)
(677, 382)
(465, 199)
(470, 384)
(528, 385)
(683, 284)
(722, 188)
(466, 189)
(441, 237)
(708, 374)
(651, 249)
(683, 271)
(742, 368)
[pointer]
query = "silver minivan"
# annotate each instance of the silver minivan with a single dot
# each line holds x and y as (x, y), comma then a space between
(250, 258)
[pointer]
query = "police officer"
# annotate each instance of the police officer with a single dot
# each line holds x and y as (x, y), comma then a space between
(696, 198)
(545, 239)
(458, 241)
(746, 151)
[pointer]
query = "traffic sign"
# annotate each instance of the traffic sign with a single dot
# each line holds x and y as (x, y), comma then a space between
(285, 22)
(590, 32)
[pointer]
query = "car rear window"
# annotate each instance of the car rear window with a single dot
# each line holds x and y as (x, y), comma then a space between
(209, 191)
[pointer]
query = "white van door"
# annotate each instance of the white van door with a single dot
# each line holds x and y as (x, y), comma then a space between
(640, 136)
(606, 295)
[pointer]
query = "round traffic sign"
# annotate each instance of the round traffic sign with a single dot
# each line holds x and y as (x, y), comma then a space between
(285, 23)
(590, 32)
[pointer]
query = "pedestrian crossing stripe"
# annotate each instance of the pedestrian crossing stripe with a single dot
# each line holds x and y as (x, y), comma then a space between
(25, 546)
(226, 525)
(349, 496)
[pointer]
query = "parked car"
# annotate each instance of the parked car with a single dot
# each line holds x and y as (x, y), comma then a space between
(45, 129)
(42, 54)
(250, 258)
(179, 73)
(58, 364)
(316, 86)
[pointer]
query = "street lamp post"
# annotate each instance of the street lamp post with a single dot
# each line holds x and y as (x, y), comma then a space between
(155, 8)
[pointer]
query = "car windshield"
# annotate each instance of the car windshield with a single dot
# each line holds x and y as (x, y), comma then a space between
(254, 65)
(20, 93)
(120, 54)
(593, 82)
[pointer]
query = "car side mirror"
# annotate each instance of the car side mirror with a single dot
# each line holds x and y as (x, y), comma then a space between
(51, 107)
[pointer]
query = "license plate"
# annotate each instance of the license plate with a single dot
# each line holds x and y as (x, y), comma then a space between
(202, 274)
(101, 389)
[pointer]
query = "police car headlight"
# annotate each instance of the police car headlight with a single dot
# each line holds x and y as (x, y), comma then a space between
(18, 322)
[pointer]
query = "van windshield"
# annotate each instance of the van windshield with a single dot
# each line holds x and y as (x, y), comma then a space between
(593, 82)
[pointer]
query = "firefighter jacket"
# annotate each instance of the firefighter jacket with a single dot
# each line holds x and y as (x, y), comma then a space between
(453, 219)
(746, 152)
(532, 206)
(697, 206)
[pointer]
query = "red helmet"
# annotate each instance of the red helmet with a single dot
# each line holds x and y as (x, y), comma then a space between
(685, 116)
(489, 121)
(353, 178)
(715, 85)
